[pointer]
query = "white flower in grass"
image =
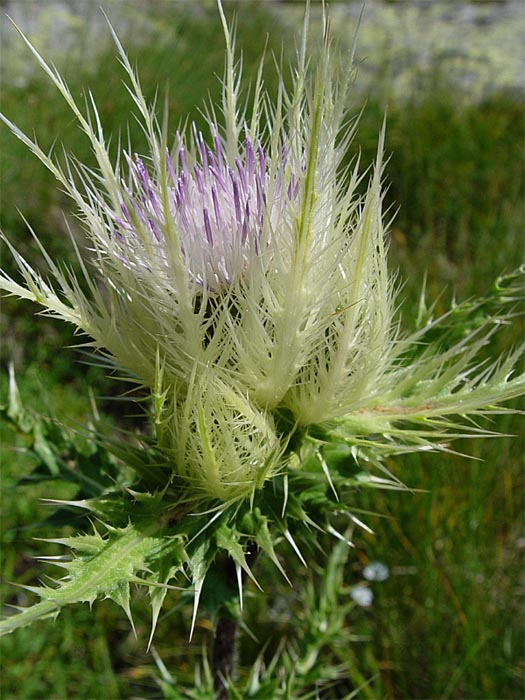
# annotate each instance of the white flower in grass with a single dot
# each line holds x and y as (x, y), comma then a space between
(376, 571)
(362, 595)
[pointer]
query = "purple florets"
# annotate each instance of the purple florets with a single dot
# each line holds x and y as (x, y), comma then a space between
(223, 213)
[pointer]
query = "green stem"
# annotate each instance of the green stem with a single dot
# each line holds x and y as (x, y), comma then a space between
(224, 661)
(225, 641)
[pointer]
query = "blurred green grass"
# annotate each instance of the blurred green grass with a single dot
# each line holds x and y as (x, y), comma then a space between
(448, 622)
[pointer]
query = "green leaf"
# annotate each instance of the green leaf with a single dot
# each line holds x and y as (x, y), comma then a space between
(104, 567)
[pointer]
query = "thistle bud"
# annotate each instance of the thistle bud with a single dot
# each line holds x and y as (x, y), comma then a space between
(223, 445)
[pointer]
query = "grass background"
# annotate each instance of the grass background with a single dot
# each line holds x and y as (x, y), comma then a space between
(448, 623)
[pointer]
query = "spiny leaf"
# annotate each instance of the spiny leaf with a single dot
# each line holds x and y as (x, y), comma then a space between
(104, 567)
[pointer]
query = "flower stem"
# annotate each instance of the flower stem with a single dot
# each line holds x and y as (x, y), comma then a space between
(225, 642)
(224, 648)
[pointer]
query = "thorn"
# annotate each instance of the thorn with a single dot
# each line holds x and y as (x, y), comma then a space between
(296, 549)
(281, 569)
(339, 536)
(63, 562)
(360, 523)
(285, 500)
(32, 589)
(127, 610)
(198, 589)
(238, 571)
(154, 620)
(326, 471)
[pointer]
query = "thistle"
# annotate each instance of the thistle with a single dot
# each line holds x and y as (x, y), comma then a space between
(240, 277)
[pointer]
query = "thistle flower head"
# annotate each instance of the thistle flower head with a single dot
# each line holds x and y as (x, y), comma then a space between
(247, 258)
(240, 276)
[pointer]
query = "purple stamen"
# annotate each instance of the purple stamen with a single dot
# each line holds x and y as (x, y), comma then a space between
(197, 174)
(245, 222)
(203, 153)
(182, 158)
(216, 206)
(143, 173)
(182, 185)
(242, 174)
(212, 161)
(218, 177)
(207, 226)
(262, 162)
(154, 202)
(155, 229)
(236, 199)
